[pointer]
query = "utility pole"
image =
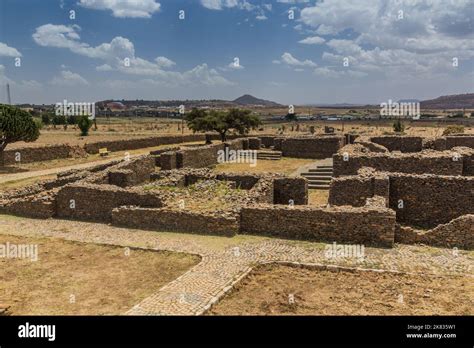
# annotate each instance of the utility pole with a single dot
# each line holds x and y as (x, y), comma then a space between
(9, 99)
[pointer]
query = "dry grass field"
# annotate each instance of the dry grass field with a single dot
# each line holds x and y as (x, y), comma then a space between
(286, 165)
(283, 290)
(72, 278)
(128, 128)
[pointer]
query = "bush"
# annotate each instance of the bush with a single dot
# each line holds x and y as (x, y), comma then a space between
(84, 123)
(398, 126)
(453, 130)
(45, 118)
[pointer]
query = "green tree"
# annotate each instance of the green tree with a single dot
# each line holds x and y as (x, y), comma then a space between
(291, 117)
(84, 123)
(71, 120)
(58, 120)
(46, 118)
(398, 126)
(221, 122)
(16, 125)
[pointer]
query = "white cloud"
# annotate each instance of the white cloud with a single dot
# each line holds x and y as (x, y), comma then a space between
(312, 40)
(124, 8)
(104, 67)
(288, 59)
(219, 4)
(7, 51)
(68, 78)
(422, 41)
(293, 1)
(119, 55)
(164, 62)
(261, 17)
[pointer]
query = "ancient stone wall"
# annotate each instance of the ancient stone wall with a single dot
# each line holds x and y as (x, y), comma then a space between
(458, 233)
(311, 147)
(255, 143)
(399, 143)
(428, 200)
(354, 190)
(364, 225)
(199, 157)
(41, 153)
(442, 163)
(95, 202)
(267, 141)
(33, 207)
(215, 223)
(140, 143)
(294, 189)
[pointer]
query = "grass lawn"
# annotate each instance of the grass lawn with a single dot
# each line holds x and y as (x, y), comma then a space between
(71, 278)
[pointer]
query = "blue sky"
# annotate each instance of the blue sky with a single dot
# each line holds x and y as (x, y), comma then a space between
(332, 51)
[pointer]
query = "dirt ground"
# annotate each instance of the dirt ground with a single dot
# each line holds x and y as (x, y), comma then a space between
(283, 290)
(318, 198)
(284, 166)
(72, 278)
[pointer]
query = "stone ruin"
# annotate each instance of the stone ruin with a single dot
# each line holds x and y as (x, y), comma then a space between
(384, 190)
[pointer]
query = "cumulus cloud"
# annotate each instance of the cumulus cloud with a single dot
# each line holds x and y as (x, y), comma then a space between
(68, 78)
(421, 39)
(7, 51)
(119, 55)
(288, 59)
(312, 40)
(221, 4)
(124, 8)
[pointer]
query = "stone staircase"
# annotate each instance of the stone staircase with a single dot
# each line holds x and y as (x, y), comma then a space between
(268, 155)
(319, 178)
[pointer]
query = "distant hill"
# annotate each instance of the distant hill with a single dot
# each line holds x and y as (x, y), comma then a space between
(455, 101)
(408, 101)
(248, 99)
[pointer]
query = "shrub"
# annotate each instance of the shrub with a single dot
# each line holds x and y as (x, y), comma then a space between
(453, 129)
(45, 118)
(398, 126)
(84, 123)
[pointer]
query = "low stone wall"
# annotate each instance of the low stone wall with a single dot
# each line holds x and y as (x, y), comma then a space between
(354, 190)
(267, 141)
(429, 200)
(40, 153)
(216, 223)
(364, 225)
(263, 191)
(95, 202)
(255, 143)
(448, 142)
(242, 181)
(38, 208)
(441, 163)
(311, 147)
(458, 233)
(286, 189)
(199, 157)
(140, 143)
(399, 143)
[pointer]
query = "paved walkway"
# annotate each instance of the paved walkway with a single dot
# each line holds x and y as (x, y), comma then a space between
(4, 178)
(227, 260)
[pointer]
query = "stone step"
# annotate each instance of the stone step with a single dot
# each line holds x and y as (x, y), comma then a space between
(318, 170)
(318, 182)
(268, 155)
(318, 187)
(316, 176)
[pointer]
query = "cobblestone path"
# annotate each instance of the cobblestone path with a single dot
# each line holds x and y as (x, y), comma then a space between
(227, 260)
